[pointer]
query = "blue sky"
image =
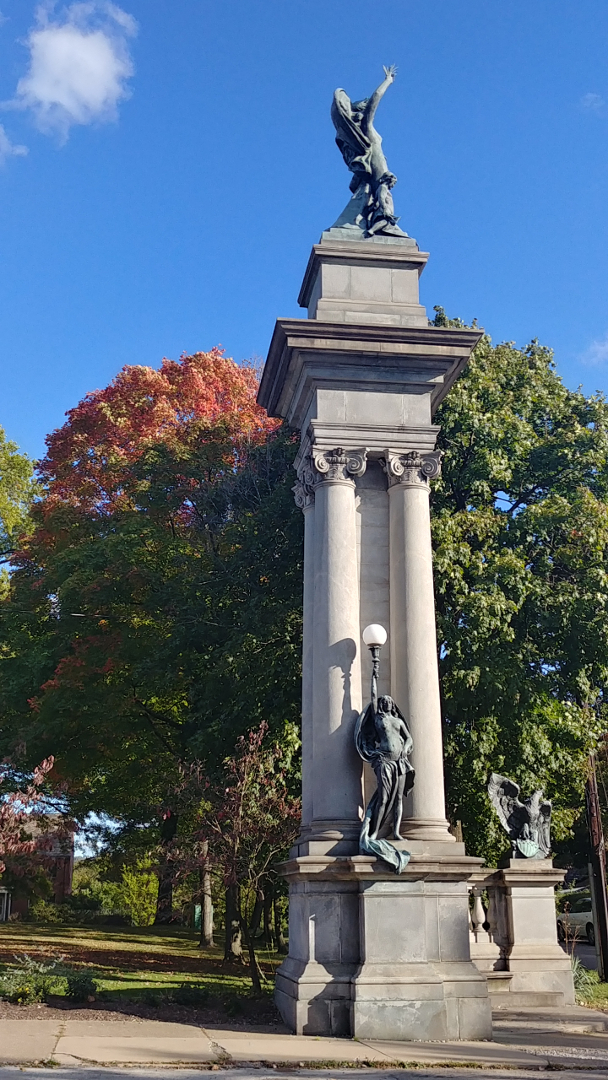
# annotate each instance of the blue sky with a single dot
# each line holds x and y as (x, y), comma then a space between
(181, 162)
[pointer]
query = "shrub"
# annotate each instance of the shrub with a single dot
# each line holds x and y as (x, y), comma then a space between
(29, 981)
(83, 902)
(191, 994)
(139, 892)
(60, 914)
(45, 912)
(584, 979)
(80, 985)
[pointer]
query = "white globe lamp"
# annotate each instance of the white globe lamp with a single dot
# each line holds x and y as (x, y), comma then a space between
(374, 636)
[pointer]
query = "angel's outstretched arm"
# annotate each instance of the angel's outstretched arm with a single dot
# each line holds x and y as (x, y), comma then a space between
(375, 99)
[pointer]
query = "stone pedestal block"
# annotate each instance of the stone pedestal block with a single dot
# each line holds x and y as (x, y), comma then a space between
(376, 955)
(313, 984)
(365, 281)
(520, 953)
(536, 960)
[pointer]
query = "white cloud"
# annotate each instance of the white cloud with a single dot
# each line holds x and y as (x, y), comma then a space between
(9, 149)
(597, 353)
(79, 65)
(593, 103)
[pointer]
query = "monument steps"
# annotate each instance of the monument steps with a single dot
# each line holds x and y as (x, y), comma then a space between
(525, 999)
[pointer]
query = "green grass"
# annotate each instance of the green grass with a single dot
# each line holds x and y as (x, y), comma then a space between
(134, 963)
(595, 996)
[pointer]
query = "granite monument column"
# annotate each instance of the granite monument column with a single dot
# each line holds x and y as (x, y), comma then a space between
(336, 694)
(413, 636)
(305, 499)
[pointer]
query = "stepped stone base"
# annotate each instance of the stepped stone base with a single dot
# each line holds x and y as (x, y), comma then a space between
(378, 955)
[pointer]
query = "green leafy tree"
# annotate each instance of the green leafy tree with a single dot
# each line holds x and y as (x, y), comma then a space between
(17, 489)
(520, 528)
(138, 892)
(153, 610)
(244, 820)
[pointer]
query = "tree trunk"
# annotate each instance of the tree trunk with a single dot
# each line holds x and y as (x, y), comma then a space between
(206, 939)
(164, 903)
(598, 866)
(232, 943)
(256, 915)
(255, 970)
(268, 905)
(280, 940)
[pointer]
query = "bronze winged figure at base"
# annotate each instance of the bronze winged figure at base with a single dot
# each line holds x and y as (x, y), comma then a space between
(528, 823)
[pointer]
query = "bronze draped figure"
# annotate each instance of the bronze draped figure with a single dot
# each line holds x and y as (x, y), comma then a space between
(371, 208)
(383, 740)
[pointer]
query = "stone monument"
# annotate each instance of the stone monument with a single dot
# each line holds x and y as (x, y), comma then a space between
(377, 948)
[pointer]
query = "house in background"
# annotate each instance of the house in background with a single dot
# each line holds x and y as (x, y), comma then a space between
(57, 848)
(5, 904)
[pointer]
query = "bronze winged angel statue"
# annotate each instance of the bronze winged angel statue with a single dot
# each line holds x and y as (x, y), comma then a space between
(371, 208)
(528, 823)
(383, 740)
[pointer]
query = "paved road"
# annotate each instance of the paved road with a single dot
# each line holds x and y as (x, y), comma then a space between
(586, 954)
(85, 1073)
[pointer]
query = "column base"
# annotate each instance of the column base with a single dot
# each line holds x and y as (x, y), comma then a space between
(427, 829)
(337, 837)
(378, 955)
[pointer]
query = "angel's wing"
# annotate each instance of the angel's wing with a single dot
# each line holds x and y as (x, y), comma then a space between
(504, 796)
(544, 828)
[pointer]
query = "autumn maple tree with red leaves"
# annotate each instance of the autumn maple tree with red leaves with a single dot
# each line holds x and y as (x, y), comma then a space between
(23, 805)
(205, 396)
(151, 617)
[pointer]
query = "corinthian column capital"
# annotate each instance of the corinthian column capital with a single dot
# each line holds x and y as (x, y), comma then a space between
(413, 469)
(338, 465)
(303, 489)
(304, 495)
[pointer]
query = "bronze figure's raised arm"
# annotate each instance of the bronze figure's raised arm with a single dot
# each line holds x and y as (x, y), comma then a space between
(371, 208)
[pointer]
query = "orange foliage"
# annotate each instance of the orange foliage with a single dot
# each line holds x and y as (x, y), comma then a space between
(110, 429)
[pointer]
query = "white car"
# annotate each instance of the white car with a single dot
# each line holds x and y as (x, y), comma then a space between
(575, 916)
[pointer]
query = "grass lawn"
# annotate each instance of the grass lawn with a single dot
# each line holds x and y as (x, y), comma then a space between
(596, 997)
(134, 963)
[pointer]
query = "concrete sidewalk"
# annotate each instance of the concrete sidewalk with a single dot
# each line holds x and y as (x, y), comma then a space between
(530, 1040)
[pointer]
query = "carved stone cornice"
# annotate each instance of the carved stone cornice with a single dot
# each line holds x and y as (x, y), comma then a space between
(412, 469)
(338, 465)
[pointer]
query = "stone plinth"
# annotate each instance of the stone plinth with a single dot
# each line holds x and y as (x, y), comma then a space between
(364, 281)
(520, 953)
(535, 958)
(376, 955)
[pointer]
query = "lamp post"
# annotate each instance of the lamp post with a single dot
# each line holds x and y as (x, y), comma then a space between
(374, 636)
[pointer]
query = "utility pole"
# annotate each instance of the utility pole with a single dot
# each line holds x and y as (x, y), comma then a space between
(598, 865)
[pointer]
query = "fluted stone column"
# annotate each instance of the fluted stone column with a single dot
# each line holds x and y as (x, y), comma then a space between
(336, 682)
(413, 637)
(305, 499)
